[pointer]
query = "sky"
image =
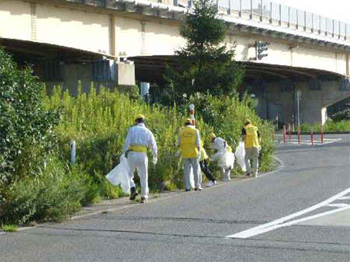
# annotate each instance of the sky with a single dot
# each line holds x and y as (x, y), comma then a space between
(336, 9)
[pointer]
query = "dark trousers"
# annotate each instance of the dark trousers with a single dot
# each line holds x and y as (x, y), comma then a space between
(204, 167)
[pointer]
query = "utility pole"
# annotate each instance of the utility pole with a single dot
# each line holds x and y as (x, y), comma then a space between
(298, 95)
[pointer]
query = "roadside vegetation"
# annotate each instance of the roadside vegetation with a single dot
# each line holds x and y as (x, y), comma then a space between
(37, 180)
(329, 126)
(338, 122)
(44, 185)
(10, 228)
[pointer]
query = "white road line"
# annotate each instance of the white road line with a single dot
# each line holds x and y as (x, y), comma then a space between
(317, 216)
(293, 222)
(309, 139)
(345, 198)
(338, 205)
(308, 142)
(279, 222)
(335, 140)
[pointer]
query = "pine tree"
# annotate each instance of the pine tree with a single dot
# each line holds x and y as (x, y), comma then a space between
(206, 63)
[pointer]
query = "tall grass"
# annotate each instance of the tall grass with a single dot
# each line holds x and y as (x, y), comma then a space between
(99, 123)
(53, 194)
(329, 126)
(10, 228)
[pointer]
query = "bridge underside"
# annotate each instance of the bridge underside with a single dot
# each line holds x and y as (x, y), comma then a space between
(152, 68)
(35, 52)
(274, 86)
(63, 66)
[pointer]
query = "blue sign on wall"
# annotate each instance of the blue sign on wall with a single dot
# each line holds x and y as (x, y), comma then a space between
(345, 84)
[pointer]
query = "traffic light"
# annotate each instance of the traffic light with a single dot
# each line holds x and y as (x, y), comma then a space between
(261, 49)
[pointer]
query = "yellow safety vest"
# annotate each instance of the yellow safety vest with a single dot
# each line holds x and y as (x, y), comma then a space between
(203, 154)
(188, 146)
(251, 139)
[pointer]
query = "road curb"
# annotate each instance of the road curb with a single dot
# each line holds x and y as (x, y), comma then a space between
(318, 133)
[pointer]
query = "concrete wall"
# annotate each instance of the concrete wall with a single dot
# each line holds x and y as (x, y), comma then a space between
(273, 102)
(54, 25)
(75, 73)
(140, 37)
(313, 103)
(281, 53)
(72, 28)
(15, 20)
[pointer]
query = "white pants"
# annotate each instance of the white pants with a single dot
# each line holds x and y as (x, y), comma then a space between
(226, 174)
(252, 153)
(192, 164)
(139, 161)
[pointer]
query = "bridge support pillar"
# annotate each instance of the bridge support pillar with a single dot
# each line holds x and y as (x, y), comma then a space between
(125, 73)
(281, 100)
(104, 72)
(315, 102)
(145, 91)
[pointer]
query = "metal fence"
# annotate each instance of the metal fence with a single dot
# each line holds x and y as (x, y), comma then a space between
(90, 2)
(285, 16)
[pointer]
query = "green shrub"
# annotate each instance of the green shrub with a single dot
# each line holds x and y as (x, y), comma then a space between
(35, 184)
(52, 195)
(10, 228)
(342, 115)
(25, 126)
(206, 63)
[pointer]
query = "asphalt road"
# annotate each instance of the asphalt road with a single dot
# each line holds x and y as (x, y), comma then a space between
(299, 213)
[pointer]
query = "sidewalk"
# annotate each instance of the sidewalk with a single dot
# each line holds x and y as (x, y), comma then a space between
(107, 206)
(110, 205)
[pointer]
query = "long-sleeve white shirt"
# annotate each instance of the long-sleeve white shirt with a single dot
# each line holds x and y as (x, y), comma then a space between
(225, 159)
(140, 135)
(219, 144)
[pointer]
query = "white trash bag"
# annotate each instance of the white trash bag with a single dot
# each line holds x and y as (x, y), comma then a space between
(227, 160)
(120, 175)
(192, 179)
(240, 154)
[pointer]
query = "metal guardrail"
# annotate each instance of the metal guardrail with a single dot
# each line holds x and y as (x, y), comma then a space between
(263, 11)
(101, 3)
(266, 11)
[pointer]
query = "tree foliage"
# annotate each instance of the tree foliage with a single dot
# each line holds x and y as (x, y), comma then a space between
(342, 115)
(25, 126)
(206, 63)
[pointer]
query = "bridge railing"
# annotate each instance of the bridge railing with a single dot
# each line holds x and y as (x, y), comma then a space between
(100, 3)
(277, 14)
(264, 11)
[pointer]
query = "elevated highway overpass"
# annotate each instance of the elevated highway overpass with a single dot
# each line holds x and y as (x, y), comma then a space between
(308, 58)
